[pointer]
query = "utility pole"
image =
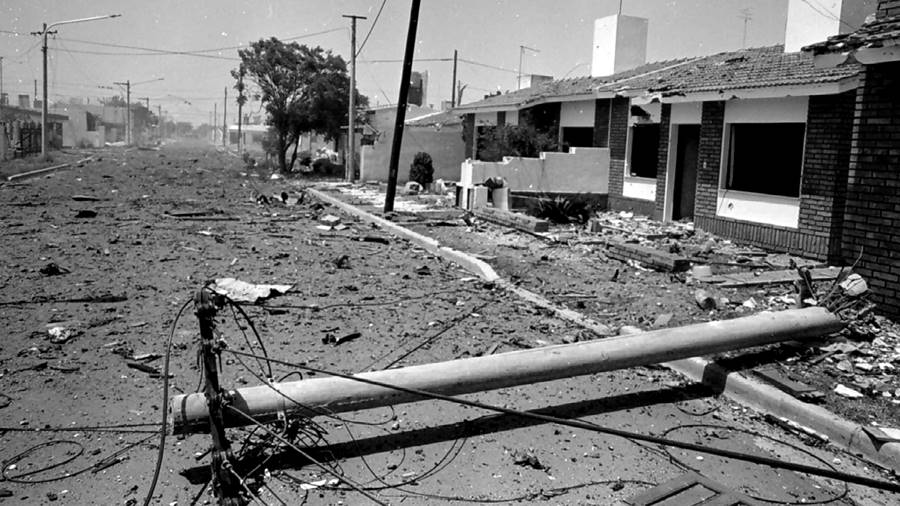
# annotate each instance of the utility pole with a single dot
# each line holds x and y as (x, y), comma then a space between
(159, 122)
(225, 117)
(240, 102)
(127, 85)
(43, 33)
(215, 123)
(350, 169)
(401, 106)
(453, 83)
(1, 100)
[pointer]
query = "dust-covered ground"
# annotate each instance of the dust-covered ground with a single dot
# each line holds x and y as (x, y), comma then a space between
(98, 260)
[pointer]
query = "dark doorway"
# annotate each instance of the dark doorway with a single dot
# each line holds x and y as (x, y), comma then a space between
(685, 172)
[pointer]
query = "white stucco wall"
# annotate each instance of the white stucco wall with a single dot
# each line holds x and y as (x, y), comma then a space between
(582, 170)
(767, 110)
(758, 208)
(686, 113)
(577, 114)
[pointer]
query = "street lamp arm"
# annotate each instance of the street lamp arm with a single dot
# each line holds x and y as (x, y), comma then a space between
(70, 21)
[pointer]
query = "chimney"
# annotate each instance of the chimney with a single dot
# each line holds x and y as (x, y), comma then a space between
(620, 43)
(532, 80)
(25, 101)
(810, 22)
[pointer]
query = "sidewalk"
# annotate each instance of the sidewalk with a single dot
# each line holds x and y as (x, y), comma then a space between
(740, 388)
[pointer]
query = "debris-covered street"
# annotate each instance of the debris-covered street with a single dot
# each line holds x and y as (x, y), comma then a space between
(102, 259)
(368, 252)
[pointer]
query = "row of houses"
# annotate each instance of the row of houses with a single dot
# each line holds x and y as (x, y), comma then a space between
(794, 147)
(73, 124)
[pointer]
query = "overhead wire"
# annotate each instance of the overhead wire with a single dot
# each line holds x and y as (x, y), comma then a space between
(165, 406)
(371, 28)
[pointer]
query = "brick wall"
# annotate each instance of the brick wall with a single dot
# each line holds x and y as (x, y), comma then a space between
(618, 138)
(708, 159)
(873, 187)
(888, 8)
(662, 160)
(601, 123)
(620, 108)
(826, 160)
(469, 134)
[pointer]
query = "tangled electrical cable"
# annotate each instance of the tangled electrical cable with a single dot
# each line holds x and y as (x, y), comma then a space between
(8, 464)
(292, 432)
(838, 497)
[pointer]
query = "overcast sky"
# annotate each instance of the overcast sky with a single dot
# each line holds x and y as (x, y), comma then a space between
(487, 34)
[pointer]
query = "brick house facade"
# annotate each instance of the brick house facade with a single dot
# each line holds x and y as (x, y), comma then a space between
(871, 210)
(873, 187)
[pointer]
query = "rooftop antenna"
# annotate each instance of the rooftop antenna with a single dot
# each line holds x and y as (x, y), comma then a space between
(746, 15)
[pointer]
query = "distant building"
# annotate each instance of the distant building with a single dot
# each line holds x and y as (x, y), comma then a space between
(418, 89)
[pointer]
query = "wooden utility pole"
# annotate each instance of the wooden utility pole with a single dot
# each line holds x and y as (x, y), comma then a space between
(127, 85)
(453, 83)
(215, 124)
(402, 101)
(350, 165)
(225, 118)
(225, 481)
(458, 377)
(240, 103)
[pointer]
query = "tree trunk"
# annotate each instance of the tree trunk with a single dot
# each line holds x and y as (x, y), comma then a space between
(282, 152)
(294, 155)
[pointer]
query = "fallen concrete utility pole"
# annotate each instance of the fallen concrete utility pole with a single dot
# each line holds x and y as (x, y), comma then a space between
(312, 397)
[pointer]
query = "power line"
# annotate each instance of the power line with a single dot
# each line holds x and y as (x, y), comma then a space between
(149, 51)
(401, 61)
(479, 64)
(823, 11)
(374, 22)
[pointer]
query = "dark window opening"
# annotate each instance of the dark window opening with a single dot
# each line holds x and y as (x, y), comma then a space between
(644, 150)
(91, 122)
(577, 137)
(765, 158)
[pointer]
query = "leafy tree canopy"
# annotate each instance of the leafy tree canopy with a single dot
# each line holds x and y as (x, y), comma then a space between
(304, 90)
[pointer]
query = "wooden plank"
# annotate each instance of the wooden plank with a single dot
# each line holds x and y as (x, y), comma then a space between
(653, 257)
(510, 219)
(776, 277)
(673, 492)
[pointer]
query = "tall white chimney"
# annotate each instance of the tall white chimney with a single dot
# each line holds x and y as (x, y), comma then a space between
(816, 20)
(620, 43)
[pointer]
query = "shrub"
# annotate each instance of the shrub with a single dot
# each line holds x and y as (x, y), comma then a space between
(563, 210)
(304, 158)
(422, 170)
(514, 140)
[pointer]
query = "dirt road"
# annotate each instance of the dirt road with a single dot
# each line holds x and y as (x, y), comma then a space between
(98, 260)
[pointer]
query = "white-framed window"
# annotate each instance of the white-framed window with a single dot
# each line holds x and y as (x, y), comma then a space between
(764, 158)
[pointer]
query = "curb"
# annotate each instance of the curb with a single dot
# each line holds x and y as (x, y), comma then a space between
(768, 399)
(746, 391)
(472, 264)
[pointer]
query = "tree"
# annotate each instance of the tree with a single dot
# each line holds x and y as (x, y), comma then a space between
(514, 140)
(304, 89)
